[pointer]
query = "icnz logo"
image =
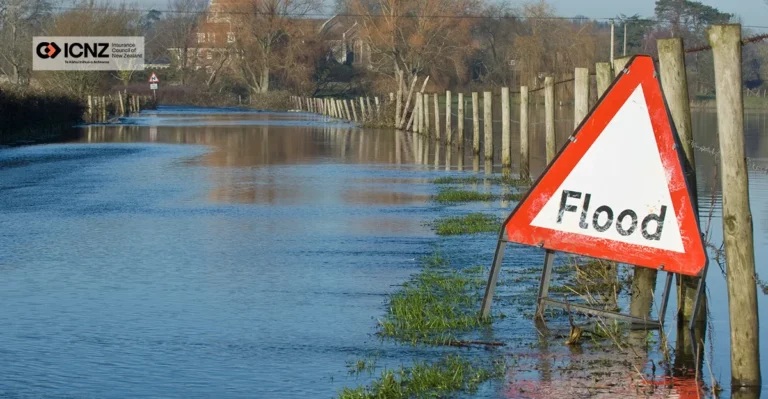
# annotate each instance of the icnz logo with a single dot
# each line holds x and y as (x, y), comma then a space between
(47, 50)
(50, 50)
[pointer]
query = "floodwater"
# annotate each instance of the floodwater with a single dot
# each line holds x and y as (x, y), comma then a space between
(217, 252)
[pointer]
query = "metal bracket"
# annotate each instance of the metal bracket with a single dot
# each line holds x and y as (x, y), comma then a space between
(637, 322)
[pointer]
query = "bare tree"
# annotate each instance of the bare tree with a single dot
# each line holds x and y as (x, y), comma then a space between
(18, 20)
(87, 18)
(179, 33)
(415, 36)
(265, 30)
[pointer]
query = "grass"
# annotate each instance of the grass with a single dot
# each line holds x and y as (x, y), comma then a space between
(454, 195)
(434, 306)
(468, 224)
(451, 374)
(505, 180)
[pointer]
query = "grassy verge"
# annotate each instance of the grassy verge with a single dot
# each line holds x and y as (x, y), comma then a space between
(453, 373)
(453, 195)
(468, 224)
(434, 306)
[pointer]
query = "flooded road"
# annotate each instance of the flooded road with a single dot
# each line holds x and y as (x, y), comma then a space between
(219, 252)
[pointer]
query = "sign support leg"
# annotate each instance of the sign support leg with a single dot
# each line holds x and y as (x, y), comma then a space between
(546, 276)
(696, 304)
(493, 276)
(665, 298)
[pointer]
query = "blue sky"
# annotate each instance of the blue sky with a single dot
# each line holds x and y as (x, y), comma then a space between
(752, 12)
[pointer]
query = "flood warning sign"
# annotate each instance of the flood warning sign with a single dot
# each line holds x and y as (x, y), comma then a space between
(617, 190)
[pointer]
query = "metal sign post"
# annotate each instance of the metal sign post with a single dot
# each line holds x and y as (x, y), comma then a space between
(153, 85)
(615, 191)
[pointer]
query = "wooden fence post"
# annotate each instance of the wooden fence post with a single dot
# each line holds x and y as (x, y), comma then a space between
(525, 167)
(475, 123)
(370, 107)
(488, 125)
(354, 112)
(604, 77)
(90, 109)
(378, 107)
(737, 218)
(436, 101)
(506, 134)
(122, 103)
(346, 110)
(425, 107)
(448, 106)
(408, 101)
(619, 64)
(549, 117)
(398, 100)
(581, 96)
(460, 124)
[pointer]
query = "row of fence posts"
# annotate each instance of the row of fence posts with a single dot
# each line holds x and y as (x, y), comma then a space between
(102, 108)
(413, 113)
(344, 109)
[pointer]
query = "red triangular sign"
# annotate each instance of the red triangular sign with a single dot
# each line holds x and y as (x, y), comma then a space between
(153, 78)
(617, 190)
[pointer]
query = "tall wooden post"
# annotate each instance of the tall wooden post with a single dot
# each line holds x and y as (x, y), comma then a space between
(506, 134)
(549, 117)
(378, 107)
(525, 166)
(737, 218)
(448, 106)
(604, 76)
(460, 124)
(581, 94)
(674, 82)
(364, 114)
(488, 125)
(475, 123)
(436, 101)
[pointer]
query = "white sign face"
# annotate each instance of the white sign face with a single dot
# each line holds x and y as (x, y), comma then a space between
(153, 86)
(88, 53)
(619, 189)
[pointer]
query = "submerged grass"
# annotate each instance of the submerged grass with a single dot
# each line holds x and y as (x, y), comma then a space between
(451, 374)
(454, 195)
(468, 224)
(505, 180)
(434, 306)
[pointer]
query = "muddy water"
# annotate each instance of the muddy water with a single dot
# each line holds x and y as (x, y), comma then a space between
(217, 252)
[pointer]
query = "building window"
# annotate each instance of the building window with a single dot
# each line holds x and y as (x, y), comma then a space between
(201, 37)
(211, 37)
(230, 37)
(209, 55)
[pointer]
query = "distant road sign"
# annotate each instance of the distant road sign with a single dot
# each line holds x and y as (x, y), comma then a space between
(153, 86)
(617, 190)
(154, 78)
